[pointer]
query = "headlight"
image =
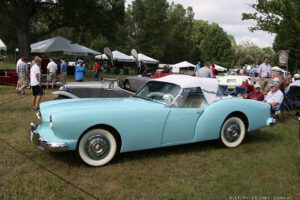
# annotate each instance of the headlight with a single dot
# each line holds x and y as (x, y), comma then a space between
(51, 122)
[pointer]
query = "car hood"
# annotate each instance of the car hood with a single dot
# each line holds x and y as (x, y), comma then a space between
(57, 106)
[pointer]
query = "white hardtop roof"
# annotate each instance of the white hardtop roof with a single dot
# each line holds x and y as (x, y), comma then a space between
(209, 86)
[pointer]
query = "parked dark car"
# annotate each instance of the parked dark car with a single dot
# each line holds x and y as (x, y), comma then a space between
(108, 88)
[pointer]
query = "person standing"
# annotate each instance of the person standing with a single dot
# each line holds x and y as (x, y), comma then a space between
(96, 69)
(79, 71)
(265, 73)
(35, 81)
(63, 71)
(205, 71)
(197, 68)
(17, 69)
(213, 70)
(51, 72)
(22, 76)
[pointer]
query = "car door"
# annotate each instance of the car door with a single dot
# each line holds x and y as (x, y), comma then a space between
(182, 119)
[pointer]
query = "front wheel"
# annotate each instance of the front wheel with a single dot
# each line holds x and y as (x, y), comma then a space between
(233, 132)
(97, 147)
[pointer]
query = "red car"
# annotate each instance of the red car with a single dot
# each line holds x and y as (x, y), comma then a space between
(8, 77)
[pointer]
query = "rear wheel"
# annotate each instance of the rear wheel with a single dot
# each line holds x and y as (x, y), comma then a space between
(233, 132)
(97, 147)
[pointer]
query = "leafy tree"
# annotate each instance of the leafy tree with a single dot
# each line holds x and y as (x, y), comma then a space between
(149, 26)
(178, 43)
(281, 17)
(30, 20)
(212, 42)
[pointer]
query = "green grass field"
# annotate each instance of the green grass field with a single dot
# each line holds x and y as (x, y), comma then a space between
(267, 164)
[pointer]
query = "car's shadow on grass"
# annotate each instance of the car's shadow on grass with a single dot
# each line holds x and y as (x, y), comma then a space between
(261, 137)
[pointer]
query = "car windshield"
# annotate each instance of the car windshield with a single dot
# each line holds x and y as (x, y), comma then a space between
(160, 92)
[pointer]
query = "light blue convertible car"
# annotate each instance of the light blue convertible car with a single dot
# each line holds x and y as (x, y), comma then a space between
(173, 110)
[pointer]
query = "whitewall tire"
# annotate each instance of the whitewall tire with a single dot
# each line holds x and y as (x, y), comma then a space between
(97, 147)
(233, 132)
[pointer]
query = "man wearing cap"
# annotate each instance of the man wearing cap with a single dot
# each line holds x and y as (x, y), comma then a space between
(256, 94)
(265, 73)
(296, 83)
(274, 96)
(205, 71)
(35, 81)
(51, 72)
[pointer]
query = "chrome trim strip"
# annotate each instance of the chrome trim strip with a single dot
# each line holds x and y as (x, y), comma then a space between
(50, 146)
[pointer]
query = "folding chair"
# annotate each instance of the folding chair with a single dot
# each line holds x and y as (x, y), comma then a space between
(224, 88)
(293, 98)
(240, 90)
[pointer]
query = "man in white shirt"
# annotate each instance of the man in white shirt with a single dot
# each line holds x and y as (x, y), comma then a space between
(51, 72)
(265, 73)
(296, 83)
(274, 96)
(35, 81)
(205, 71)
(17, 69)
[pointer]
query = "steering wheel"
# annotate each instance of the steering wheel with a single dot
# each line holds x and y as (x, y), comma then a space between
(161, 95)
(152, 94)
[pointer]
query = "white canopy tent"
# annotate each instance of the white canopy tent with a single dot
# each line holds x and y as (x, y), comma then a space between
(146, 59)
(176, 67)
(121, 57)
(219, 68)
(60, 44)
(101, 57)
(278, 69)
(2, 45)
(86, 50)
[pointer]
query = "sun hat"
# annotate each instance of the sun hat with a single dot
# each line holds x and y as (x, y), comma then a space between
(297, 76)
(257, 85)
(274, 84)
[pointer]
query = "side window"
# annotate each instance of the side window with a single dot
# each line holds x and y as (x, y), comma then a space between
(190, 98)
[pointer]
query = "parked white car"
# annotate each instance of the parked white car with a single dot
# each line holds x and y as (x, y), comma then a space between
(234, 80)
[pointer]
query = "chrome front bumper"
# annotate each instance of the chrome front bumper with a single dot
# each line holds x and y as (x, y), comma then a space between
(35, 137)
(272, 121)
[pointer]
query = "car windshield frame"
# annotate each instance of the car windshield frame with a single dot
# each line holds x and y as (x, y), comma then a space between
(178, 92)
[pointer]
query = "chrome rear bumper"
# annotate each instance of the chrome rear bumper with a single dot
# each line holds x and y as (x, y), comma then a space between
(35, 137)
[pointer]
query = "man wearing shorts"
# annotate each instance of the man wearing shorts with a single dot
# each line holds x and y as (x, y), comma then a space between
(51, 69)
(35, 81)
(22, 76)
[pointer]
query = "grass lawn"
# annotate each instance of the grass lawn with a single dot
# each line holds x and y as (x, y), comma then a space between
(267, 164)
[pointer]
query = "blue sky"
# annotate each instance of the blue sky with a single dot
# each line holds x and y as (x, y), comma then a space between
(228, 14)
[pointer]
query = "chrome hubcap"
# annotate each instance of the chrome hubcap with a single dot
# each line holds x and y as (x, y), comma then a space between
(97, 147)
(232, 132)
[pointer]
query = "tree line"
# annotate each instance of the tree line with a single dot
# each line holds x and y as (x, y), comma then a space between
(165, 31)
